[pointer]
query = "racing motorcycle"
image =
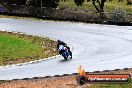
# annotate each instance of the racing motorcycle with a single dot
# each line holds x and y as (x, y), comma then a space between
(64, 52)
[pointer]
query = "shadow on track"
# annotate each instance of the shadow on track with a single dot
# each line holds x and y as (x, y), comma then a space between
(65, 60)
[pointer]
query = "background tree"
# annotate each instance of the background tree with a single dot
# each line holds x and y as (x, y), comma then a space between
(120, 0)
(99, 5)
(129, 2)
(19, 2)
(50, 3)
(45, 3)
(36, 3)
(88, 0)
(79, 2)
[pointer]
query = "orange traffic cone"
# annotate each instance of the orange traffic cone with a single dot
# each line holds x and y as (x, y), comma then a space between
(81, 71)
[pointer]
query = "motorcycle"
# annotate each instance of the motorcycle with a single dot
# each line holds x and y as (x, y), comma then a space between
(65, 52)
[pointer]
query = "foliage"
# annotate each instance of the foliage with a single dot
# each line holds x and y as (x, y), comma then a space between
(45, 3)
(129, 2)
(79, 2)
(100, 6)
(118, 16)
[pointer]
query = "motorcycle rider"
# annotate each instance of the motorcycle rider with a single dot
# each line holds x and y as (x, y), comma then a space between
(59, 42)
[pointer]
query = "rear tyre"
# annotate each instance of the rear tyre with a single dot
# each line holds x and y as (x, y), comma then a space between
(65, 58)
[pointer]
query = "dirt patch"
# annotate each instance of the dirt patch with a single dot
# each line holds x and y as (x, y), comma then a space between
(56, 82)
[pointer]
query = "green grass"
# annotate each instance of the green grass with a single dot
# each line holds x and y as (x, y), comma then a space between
(16, 48)
(121, 85)
(109, 6)
(12, 47)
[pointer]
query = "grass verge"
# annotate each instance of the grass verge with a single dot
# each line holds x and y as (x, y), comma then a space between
(18, 48)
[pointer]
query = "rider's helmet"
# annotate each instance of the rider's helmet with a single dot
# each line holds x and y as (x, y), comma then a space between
(58, 41)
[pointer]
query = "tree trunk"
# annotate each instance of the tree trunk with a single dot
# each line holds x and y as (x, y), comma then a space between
(93, 2)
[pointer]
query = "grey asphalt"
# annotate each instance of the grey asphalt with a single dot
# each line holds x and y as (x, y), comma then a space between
(96, 47)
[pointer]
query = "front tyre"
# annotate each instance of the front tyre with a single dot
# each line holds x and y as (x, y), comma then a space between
(65, 55)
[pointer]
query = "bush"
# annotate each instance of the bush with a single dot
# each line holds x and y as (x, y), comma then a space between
(79, 2)
(118, 16)
(129, 2)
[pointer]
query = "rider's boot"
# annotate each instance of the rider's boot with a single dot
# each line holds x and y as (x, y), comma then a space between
(70, 54)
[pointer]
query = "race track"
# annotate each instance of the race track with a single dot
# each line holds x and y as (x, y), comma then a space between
(96, 47)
